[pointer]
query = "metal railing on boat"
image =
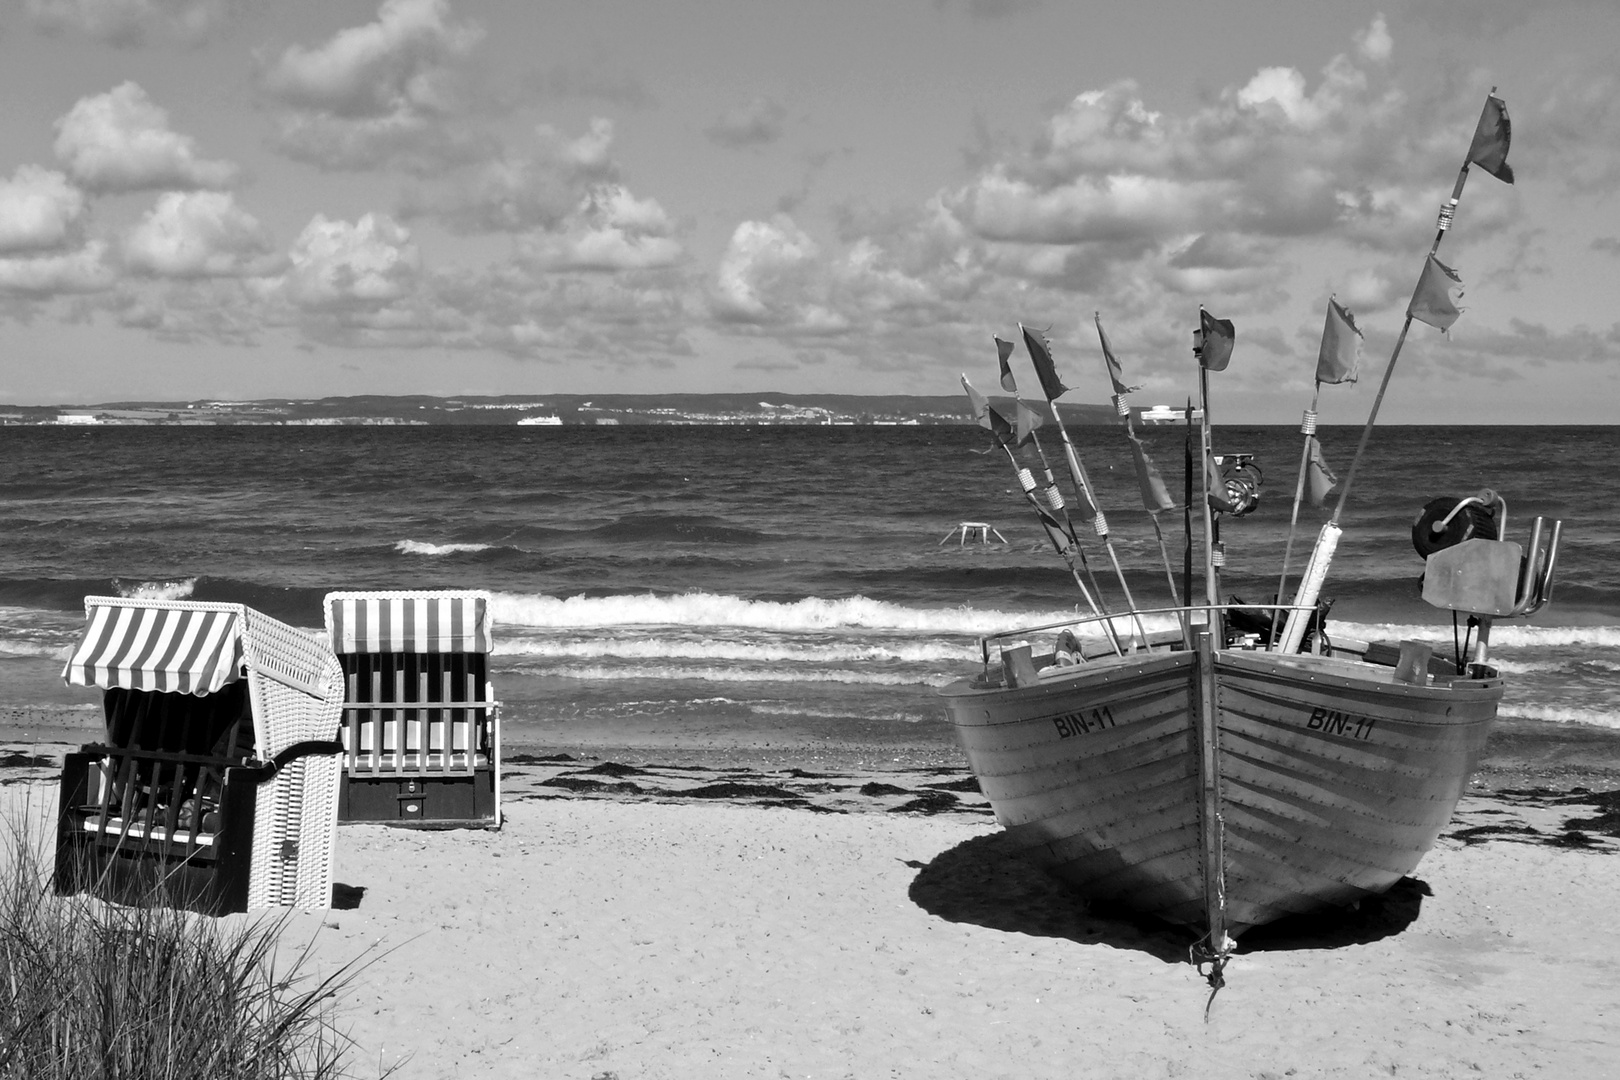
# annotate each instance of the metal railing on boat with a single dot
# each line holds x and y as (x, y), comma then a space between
(1187, 615)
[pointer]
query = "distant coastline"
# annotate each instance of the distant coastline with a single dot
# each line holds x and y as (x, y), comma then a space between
(543, 410)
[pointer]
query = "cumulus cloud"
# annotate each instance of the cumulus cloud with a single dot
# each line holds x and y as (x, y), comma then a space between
(774, 277)
(197, 234)
(753, 124)
(378, 94)
(121, 141)
(761, 258)
(1375, 43)
(399, 62)
(82, 271)
(610, 230)
(131, 22)
(39, 209)
(334, 264)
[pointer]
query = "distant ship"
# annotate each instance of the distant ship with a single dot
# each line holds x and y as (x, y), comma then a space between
(540, 421)
(1167, 414)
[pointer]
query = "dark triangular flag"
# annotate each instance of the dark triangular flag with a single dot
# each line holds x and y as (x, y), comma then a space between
(1490, 146)
(1040, 354)
(1028, 421)
(1003, 352)
(1116, 374)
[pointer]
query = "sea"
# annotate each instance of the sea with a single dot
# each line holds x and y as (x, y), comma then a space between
(790, 592)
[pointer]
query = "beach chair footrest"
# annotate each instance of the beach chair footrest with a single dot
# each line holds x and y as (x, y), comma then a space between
(432, 799)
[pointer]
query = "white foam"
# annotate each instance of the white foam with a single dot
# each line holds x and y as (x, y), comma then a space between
(711, 609)
(1502, 634)
(157, 590)
(769, 651)
(418, 547)
(688, 673)
(1559, 714)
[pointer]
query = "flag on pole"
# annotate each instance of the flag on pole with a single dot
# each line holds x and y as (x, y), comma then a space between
(1490, 146)
(979, 407)
(1155, 496)
(1040, 354)
(1340, 358)
(1116, 374)
(1219, 335)
(1319, 479)
(1028, 421)
(1003, 352)
(1432, 301)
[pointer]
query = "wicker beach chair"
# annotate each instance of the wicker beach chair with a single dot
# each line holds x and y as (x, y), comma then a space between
(216, 788)
(421, 730)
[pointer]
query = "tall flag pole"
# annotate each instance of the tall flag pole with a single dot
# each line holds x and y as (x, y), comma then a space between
(1028, 421)
(1155, 496)
(1337, 361)
(1432, 304)
(1040, 354)
(1006, 436)
(1212, 345)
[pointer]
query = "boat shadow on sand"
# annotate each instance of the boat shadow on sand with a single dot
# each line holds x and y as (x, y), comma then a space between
(985, 882)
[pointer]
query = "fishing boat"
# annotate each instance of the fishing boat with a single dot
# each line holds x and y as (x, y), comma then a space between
(1219, 764)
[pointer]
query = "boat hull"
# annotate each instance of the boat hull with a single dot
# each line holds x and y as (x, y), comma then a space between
(1331, 778)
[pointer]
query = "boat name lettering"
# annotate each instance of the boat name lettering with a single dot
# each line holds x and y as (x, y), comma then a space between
(1333, 722)
(1083, 722)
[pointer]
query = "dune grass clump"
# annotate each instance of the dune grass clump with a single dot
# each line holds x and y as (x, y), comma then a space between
(95, 990)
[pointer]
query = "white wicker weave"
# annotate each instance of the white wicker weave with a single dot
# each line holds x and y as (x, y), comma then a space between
(296, 688)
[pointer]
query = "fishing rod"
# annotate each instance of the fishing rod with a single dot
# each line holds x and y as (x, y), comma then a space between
(1431, 303)
(1041, 356)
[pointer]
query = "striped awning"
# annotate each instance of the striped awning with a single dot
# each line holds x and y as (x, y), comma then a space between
(182, 649)
(392, 622)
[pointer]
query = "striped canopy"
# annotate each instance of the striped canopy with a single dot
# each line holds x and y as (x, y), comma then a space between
(176, 646)
(394, 622)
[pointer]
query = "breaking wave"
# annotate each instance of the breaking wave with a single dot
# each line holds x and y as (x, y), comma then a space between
(418, 547)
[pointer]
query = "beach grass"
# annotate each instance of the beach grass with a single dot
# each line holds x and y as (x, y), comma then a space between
(90, 989)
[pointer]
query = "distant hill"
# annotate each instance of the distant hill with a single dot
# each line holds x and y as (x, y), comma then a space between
(763, 407)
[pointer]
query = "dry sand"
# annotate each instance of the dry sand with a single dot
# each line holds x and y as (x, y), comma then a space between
(682, 922)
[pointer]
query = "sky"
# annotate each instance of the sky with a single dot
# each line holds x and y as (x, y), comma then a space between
(239, 199)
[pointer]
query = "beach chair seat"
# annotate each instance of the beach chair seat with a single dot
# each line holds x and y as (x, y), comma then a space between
(215, 788)
(421, 731)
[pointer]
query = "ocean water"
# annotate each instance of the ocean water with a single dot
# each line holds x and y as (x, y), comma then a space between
(772, 587)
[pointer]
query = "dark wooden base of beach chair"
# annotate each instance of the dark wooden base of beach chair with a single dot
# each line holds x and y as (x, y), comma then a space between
(437, 801)
(137, 857)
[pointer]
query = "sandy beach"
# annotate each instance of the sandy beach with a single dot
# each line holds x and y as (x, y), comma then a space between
(634, 919)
